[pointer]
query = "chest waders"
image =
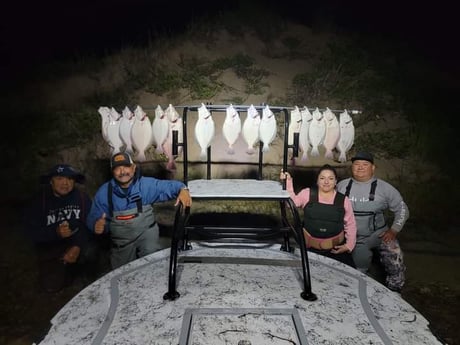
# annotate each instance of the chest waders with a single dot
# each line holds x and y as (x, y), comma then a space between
(128, 225)
(323, 223)
(366, 216)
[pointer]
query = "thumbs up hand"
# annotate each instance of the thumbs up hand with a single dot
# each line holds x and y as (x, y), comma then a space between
(100, 225)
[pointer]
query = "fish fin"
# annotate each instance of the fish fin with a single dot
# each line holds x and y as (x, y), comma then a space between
(250, 150)
(314, 151)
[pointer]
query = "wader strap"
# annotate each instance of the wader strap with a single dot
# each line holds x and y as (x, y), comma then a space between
(110, 201)
(371, 192)
(313, 195)
(339, 198)
(347, 190)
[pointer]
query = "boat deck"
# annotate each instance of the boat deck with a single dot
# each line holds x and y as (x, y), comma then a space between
(237, 294)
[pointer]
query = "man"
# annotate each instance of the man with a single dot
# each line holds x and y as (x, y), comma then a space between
(56, 222)
(370, 197)
(122, 207)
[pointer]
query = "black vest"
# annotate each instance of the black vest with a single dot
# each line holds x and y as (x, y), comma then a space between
(323, 220)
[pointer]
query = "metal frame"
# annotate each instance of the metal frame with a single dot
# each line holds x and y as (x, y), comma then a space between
(182, 216)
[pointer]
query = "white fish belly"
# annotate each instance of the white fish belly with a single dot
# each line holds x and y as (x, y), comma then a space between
(231, 132)
(251, 132)
(267, 133)
(113, 135)
(141, 135)
(160, 129)
(331, 138)
(204, 133)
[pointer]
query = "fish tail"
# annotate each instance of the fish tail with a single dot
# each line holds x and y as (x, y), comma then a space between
(342, 157)
(159, 149)
(203, 154)
(304, 156)
(250, 150)
(171, 166)
(231, 150)
(265, 148)
(314, 151)
(140, 156)
(328, 154)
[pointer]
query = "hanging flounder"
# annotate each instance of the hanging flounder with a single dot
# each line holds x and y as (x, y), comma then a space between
(251, 128)
(204, 129)
(332, 133)
(316, 132)
(231, 128)
(295, 122)
(113, 131)
(175, 124)
(267, 128)
(141, 133)
(160, 129)
(105, 119)
(347, 135)
(304, 141)
(126, 123)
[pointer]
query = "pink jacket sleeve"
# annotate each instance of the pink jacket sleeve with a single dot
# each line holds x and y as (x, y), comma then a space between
(301, 199)
(349, 225)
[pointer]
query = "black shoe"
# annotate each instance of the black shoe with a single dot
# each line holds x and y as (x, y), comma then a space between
(394, 289)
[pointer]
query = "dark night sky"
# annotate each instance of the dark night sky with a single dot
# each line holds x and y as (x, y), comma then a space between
(37, 31)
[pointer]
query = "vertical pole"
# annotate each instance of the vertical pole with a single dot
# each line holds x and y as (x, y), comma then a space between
(285, 146)
(261, 159)
(184, 144)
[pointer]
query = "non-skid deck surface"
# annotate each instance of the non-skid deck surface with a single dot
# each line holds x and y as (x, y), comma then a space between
(237, 295)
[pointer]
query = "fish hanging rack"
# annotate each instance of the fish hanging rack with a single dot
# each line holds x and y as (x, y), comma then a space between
(222, 108)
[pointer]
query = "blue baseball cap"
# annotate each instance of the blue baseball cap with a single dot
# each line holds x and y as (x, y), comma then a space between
(63, 170)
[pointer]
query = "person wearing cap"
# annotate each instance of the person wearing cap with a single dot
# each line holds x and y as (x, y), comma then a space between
(55, 220)
(122, 207)
(329, 223)
(371, 197)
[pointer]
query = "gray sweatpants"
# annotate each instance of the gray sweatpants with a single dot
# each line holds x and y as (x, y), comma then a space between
(391, 257)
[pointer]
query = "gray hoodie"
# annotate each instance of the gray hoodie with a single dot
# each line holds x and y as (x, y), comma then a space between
(370, 214)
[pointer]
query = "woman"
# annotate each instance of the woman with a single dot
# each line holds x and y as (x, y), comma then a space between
(329, 223)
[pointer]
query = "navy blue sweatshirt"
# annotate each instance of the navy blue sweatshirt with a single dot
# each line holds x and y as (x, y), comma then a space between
(47, 211)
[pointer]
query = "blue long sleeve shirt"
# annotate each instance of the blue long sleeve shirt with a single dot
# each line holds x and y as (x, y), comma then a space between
(150, 189)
